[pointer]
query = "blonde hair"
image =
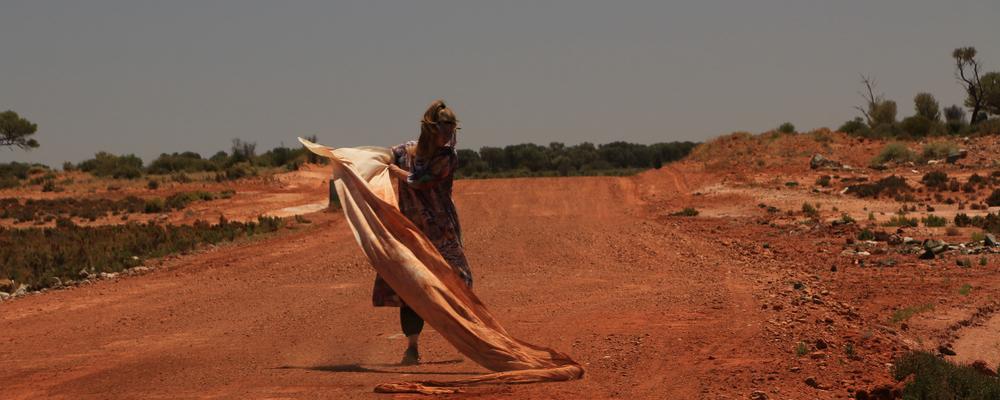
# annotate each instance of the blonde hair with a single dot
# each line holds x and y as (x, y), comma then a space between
(436, 113)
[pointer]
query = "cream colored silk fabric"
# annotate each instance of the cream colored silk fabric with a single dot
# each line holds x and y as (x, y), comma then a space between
(412, 266)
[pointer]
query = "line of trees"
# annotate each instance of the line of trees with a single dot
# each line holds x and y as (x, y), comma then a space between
(982, 89)
(558, 159)
(242, 160)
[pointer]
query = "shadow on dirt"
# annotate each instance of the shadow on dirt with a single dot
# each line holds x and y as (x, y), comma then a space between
(376, 368)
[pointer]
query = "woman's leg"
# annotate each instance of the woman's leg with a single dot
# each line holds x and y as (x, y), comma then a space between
(412, 325)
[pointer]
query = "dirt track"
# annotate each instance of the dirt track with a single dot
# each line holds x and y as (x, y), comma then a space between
(652, 306)
(572, 263)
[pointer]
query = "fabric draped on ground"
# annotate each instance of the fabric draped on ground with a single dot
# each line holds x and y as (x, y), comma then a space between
(411, 265)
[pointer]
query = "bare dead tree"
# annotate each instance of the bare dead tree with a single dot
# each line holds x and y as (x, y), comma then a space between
(872, 101)
(967, 74)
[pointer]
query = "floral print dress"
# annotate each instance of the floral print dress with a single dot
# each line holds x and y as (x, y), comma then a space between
(425, 199)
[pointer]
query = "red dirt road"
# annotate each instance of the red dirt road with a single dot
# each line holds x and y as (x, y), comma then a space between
(652, 306)
(572, 263)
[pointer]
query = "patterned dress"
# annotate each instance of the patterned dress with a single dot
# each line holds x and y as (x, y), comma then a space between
(425, 199)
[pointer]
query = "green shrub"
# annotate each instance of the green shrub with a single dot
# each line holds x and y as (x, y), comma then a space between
(240, 170)
(187, 161)
(8, 182)
(891, 185)
(811, 211)
(16, 169)
(918, 126)
(823, 181)
(994, 199)
(962, 220)
(847, 219)
(938, 379)
(856, 127)
(866, 234)
(965, 289)
(902, 221)
(933, 221)
(786, 127)
(180, 178)
(153, 184)
(49, 186)
(67, 207)
(937, 150)
(904, 314)
(801, 349)
(896, 151)
(935, 179)
(155, 205)
(109, 165)
(66, 249)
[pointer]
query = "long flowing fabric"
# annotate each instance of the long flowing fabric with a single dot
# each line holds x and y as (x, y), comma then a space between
(412, 266)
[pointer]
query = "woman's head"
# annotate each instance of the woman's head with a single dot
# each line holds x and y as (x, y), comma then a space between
(437, 129)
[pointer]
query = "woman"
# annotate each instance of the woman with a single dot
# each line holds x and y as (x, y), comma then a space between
(425, 171)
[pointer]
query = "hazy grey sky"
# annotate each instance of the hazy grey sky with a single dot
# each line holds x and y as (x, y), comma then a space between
(147, 77)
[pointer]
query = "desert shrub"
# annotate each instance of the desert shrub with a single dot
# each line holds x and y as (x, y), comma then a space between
(917, 126)
(902, 221)
(968, 187)
(892, 186)
(937, 150)
(823, 181)
(109, 165)
(866, 234)
(17, 170)
(927, 107)
(65, 250)
(153, 184)
(962, 220)
(786, 127)
(180, 178)
(994, 199)
(906, 313)
(240, 170)
(935, 179)
(85, 208)
(557, 159)
(225, 194)
(7, 182)
(154, 205)
(686, 212)
(49, 186)
(935, 378)
(856, 127)
(896, 151)
(187, 161)
(953, 185)
(954, 117)
(934, 221)
(811, 211)
(977, 179)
